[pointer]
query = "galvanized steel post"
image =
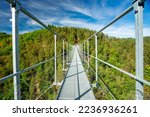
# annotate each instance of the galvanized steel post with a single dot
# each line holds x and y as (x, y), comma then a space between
(63, 55)
(68, 52)
(96, 58)
(138, 10)
(83, 51)
(55, 60)
(88, 53)
(15, 43)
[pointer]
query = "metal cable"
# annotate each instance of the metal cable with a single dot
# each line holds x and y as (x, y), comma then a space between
(44, 92)
(23, 10)
(123, 71)
(27, 69)
(103, 82)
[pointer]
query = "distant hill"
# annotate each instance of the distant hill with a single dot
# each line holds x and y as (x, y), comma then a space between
(38, 46)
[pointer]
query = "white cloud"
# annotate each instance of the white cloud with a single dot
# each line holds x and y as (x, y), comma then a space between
(103, 3)
(32, 23)
(53, 12)
(124, 31)
(45, 21)
(121, 31)
(80, 23)
(98, 11)
(6, 31)
(41, 5)
(26, 31)
(93, 11)
(4, 14)
(146, 31)
(76, 8)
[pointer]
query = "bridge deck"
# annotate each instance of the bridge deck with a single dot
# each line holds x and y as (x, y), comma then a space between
(76, 85)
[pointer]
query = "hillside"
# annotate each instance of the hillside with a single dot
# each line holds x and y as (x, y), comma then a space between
(38, 46)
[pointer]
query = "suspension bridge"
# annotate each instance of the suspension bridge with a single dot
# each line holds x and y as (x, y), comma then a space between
(76, 85)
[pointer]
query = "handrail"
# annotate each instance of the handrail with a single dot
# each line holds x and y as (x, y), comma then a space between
(43, 92)
(27, 69)
(123, 71)
(112, 22)
(100, 78)
(108, 89)
(138, 6)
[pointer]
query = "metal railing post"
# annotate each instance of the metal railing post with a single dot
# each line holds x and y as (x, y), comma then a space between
(83, 51)
(63, 55)
(138, 10)
(15, 36)
(68, 52)
(96, 58)
(55, 60)
(88, 53)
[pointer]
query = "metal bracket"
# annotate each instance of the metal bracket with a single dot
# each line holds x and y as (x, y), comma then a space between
(139, 3)
(16, 5)
(136, 11)
(55, 33)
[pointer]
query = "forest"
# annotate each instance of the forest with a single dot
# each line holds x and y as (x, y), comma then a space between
(38, 46)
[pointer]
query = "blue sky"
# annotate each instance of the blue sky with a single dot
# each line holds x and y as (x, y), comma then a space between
(92, 14)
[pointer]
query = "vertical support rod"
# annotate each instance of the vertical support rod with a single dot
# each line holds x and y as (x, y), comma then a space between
(68, 52)
(96, 58)
(15, 43)
(88, 53)
(63, 55)
(83, 52)
(55, 60)
(138, 10)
